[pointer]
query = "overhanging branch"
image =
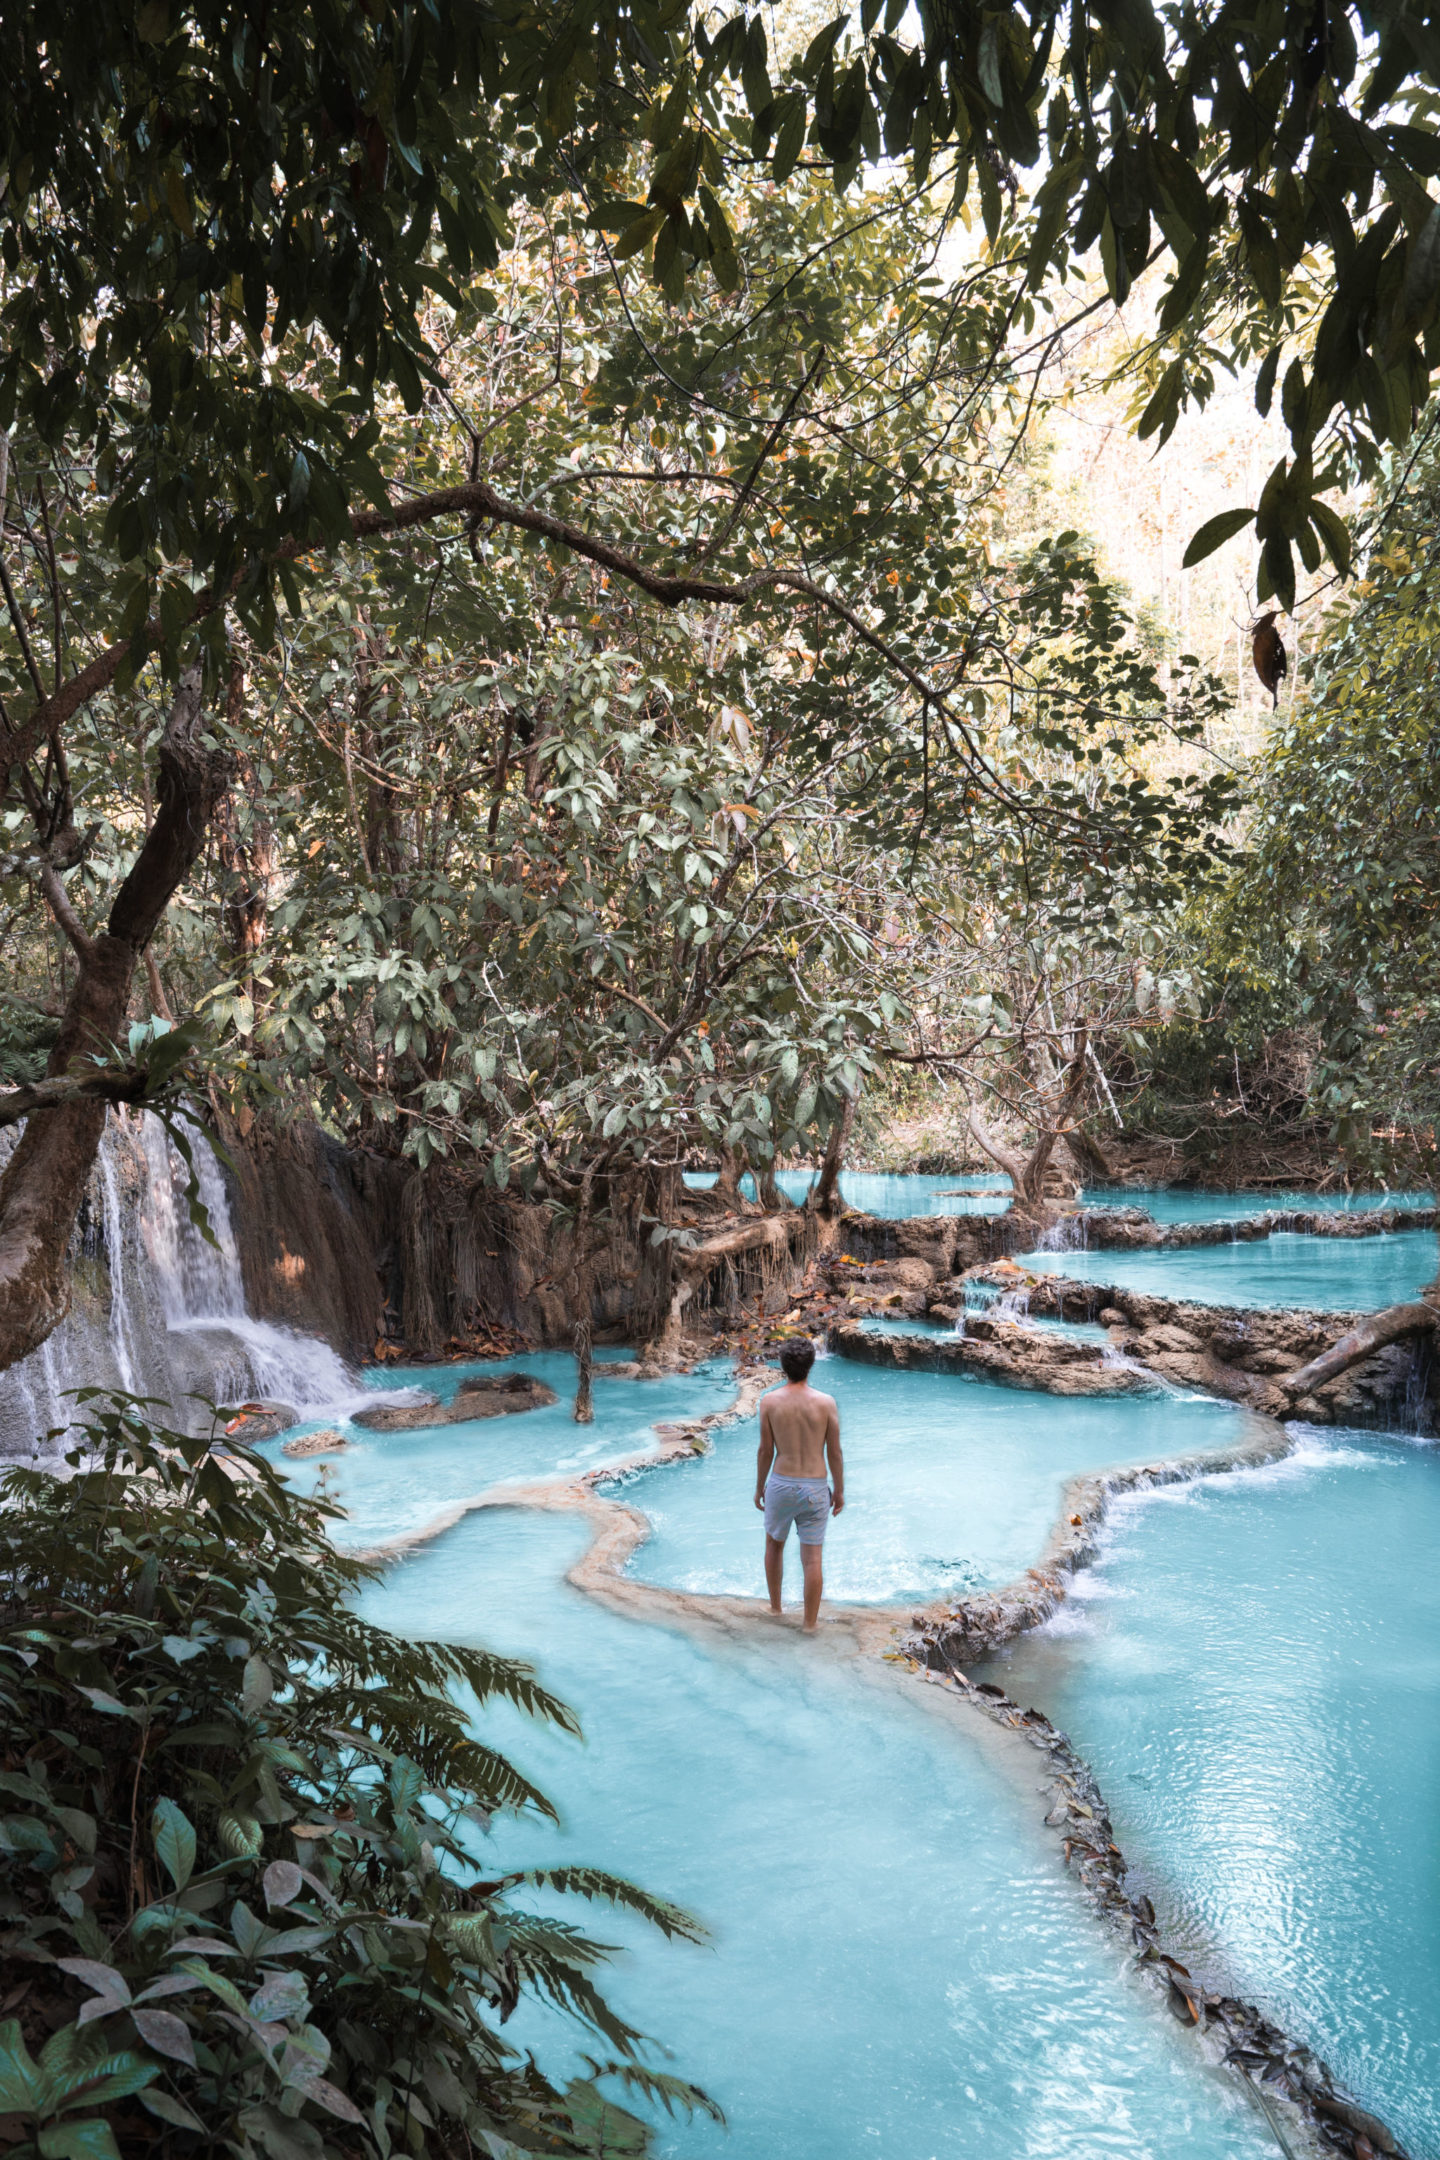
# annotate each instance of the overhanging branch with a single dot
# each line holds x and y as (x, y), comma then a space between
(124, 1084)
(476, 498)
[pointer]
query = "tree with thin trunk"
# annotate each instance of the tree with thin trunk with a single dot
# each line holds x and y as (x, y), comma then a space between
(1058, 1096)
(582, 1337)
(826, 1196)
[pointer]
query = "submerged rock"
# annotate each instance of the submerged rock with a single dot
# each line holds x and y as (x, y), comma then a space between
(485, 1396)
(328, 1442)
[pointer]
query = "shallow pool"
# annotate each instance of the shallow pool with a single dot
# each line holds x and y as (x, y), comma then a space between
(1254, 1672)
(965, 1192)
(1329, 1274)
(874, 1193)
(901, 1969)
(898, 1324)
(395, 1483)
(951, 1484)
(1168, 1205)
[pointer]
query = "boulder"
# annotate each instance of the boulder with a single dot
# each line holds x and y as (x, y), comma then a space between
(260, 1421)
(328, 1442)
(484, 1395)
(1018, 1357)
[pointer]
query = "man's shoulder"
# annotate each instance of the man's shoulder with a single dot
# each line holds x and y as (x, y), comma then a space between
(828, 1400)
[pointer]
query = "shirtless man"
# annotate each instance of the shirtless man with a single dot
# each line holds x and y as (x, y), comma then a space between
(799, 1432)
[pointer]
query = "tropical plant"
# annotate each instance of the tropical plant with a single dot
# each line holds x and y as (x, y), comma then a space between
(1335, 913)
(243, 1903)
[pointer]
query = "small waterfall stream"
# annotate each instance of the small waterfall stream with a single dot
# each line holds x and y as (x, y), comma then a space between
(158, 1310)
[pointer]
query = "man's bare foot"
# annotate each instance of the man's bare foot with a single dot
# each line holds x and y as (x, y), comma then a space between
(811, 1628)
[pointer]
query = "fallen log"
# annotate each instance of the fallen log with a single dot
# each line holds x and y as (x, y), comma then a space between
(1372, 1333)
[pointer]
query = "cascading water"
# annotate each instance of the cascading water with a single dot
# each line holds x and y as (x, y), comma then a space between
(157, 1309)
(202, 1292)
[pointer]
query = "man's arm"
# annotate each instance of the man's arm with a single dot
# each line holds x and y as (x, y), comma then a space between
(836, 1460)
(766, 1455)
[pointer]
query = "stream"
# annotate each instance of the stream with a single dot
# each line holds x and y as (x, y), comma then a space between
(900, 1964)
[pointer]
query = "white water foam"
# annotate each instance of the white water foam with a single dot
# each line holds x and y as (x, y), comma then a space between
(159, 1310)
(202, 1291)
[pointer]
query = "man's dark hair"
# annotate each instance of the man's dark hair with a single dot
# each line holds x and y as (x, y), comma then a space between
(797, 1358)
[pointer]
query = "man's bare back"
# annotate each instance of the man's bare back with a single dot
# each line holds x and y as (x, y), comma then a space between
(799, 1421)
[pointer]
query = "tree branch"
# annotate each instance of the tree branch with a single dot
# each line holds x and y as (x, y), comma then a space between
(124, 1084)
(476, 498)
(1372, 1333)
(62, 909)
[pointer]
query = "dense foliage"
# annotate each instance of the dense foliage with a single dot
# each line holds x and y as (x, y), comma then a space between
(506, 544)
(242, 1895)
(222, 175)
(1337, 912)
(515, 867)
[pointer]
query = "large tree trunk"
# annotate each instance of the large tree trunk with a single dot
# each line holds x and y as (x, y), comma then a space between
(826, 1196)
(1092, 1164)
(45, 1179)
(727, 1183)
(767, 1191)
(1004, 1158)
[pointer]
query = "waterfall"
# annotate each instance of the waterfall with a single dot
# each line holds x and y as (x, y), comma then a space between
(203, 1294)
(157, 1309)
(1066, 1233)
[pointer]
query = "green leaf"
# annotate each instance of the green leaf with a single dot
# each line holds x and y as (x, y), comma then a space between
(100, 1699)
(1163, 410)
(93, 2140)
(790, 139)
(166, 2033)
(22, 2085)
(638, 235)
(1214, 533)
(1334, 532)
(282, 1995)
(174, 1842)
(257, 1685)
(171, 2110)
(282, 2137)
(281, 1882)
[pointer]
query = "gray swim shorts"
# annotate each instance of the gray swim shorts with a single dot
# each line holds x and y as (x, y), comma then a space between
(803, 1501)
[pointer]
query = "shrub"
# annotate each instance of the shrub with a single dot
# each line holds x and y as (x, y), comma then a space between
(239, 1906)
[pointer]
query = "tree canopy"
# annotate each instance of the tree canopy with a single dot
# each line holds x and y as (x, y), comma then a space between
(506, 535)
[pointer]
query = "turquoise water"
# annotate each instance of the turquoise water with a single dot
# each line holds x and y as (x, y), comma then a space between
(1254, 1672)
(900, 1965)
(1169, 1206)
(900, 1970)
(897, 1324)
(1330, 1274)
(892, 1197)
(395, 1483)
(951, 1484)
(896, 1197)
